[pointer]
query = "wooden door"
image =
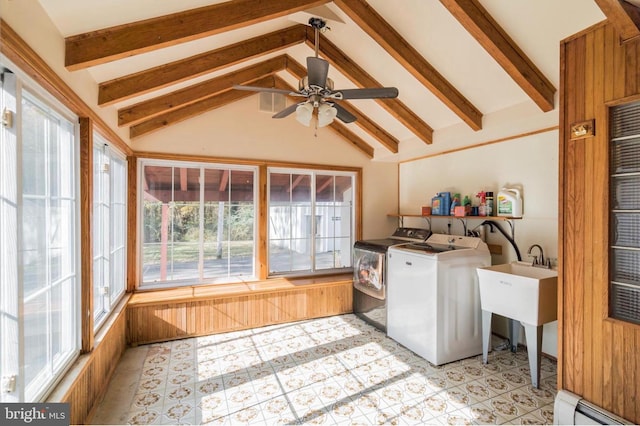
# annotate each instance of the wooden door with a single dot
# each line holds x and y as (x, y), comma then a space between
(598, 357)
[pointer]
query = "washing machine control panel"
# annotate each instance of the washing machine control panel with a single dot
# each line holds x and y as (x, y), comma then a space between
(411, 234)
(457, 241)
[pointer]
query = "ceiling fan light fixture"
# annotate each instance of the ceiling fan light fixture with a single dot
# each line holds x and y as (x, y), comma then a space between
(326, 114)
(304, 113)
(317, 87)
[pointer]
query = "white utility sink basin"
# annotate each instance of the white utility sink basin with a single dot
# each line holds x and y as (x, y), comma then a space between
(525, 294)
(519, 291)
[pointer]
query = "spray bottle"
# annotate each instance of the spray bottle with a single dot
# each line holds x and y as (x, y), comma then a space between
(482, 209)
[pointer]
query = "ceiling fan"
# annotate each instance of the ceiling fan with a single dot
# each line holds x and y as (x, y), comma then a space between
(318, 90)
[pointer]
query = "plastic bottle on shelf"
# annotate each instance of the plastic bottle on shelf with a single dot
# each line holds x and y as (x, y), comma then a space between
(455, 202)
(509, 202)
(482, 208)
(489, 203)
(467, 205)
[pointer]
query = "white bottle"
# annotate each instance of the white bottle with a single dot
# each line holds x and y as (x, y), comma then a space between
(509, 202)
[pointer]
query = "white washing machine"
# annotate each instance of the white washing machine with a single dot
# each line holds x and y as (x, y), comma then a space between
(433, 299)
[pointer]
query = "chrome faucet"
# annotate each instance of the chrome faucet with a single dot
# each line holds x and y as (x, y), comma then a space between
(539, 261)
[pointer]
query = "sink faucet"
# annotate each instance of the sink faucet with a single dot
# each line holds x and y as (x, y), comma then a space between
(539, 261)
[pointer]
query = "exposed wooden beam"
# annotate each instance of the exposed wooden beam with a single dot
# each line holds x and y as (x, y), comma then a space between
(145, 81)
(224, 179)
(165, 103)
(336, 125)
(108, 44)
(296, 182)
(326, 183)
(172, 117)
(402, 51)
(23, 56)
(183, 179)
(372, 128)
(624, 16)
(352, 138)
(495, 40)
(364, 122)
(361, 78)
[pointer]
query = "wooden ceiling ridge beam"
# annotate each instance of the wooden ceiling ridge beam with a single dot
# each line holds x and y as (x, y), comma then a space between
(495, 40)
(362, 79)
(624, 16)
(145, 81)
(117, 42)
(336, 125)
(401, 50)
(364, 122)
(161, 104)
(180, 114)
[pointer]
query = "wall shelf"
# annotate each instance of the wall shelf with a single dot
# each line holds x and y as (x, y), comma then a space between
(428, 217)
(463, 219)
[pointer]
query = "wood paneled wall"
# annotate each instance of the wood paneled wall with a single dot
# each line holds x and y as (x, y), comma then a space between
(599, 358)
(166, 315)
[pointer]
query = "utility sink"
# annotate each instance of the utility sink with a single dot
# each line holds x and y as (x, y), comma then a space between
(519, 291)
(525, 294)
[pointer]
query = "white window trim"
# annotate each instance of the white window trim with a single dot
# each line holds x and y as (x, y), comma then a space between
(25, 82)
(111, 301)
(313, 173)
(141, 163)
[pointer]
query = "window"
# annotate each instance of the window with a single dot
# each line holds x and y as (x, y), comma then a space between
(311, 221)
(109, 228)
(39, 248)
(625, 212)
(198, 222)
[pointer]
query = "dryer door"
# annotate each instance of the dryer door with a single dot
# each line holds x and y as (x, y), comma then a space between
(368, 272)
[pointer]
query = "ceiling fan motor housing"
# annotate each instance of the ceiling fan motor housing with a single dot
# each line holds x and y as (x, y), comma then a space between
(317, 23)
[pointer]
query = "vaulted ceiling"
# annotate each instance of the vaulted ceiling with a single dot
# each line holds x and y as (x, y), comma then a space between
(453, 61)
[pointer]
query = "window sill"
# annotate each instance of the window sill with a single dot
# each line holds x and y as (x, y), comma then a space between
(149, 297)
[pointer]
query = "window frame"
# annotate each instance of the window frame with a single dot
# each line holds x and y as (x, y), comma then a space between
(112, 297)
(313, 173)
(623, 292)
(56, 365)
(203, 166)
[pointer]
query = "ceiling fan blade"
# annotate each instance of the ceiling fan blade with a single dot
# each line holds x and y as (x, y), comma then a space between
(373, 93)
(285, 112)
(266, 89)
(317, 71)
(343, 114)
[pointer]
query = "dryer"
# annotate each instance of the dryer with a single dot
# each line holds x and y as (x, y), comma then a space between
(370, 274)
(433, 298)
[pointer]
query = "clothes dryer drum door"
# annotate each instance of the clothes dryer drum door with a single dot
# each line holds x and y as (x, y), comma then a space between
(368, 273)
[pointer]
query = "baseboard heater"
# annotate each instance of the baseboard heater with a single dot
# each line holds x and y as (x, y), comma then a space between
(570, 409)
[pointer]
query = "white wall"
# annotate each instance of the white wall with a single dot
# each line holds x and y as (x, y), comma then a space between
(530, 162)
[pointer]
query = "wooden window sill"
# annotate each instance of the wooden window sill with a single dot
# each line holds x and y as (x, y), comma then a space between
(187, 293)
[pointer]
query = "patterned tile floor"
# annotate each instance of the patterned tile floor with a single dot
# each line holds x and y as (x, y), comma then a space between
(336, 370)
